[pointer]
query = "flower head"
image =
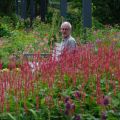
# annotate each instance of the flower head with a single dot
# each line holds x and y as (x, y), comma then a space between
(73, 106)
(77, 94)
(77, 117)
(106, 100)
(66, 99)
(103, 116)
(68, 105)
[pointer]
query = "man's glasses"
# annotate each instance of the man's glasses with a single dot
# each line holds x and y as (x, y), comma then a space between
(64, 29)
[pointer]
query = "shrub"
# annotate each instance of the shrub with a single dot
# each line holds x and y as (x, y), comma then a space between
(4, 31)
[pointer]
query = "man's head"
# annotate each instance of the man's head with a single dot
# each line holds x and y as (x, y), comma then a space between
(66, 29)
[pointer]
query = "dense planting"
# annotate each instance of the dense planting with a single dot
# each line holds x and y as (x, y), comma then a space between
(82, 85)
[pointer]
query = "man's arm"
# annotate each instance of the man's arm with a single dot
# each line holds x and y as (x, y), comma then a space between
(72, 45)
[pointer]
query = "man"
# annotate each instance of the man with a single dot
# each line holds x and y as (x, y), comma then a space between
(68, 43)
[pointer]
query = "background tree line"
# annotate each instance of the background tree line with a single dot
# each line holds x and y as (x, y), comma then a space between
(105, 11)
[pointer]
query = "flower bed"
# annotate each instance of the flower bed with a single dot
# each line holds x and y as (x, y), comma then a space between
(82, 85)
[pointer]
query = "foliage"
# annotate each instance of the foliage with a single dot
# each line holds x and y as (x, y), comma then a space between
(6, 7)
(109, 14)
(87, 87)
(4, 31)
(105, 11)
(19, 37)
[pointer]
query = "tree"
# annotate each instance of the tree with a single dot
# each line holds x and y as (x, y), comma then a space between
(7, 7)
(107, 11)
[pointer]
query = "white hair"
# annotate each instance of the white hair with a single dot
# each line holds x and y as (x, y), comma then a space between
(66, 24)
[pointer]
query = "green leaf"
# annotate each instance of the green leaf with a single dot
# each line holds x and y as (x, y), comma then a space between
(34, 113)
(115, 102)
(42, 101)
(119, 95)
(11, 116)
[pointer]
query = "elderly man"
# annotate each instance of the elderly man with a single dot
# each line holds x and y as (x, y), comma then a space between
(68, 43)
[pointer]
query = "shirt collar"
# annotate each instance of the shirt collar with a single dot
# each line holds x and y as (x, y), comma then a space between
(66, 38)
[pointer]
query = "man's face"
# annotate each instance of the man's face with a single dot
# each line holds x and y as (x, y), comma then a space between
(65, 30)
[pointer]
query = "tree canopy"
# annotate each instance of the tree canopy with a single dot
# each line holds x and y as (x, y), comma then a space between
(106, 11)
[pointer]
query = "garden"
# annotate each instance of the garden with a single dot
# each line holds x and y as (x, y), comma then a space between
(83, 87)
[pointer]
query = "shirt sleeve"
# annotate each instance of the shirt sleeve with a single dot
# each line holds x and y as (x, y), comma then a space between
(72, 45)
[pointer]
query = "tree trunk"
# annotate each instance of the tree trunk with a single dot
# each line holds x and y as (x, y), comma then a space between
(23, 9)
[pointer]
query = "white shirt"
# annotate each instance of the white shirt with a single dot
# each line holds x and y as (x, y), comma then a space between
(68, 43)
